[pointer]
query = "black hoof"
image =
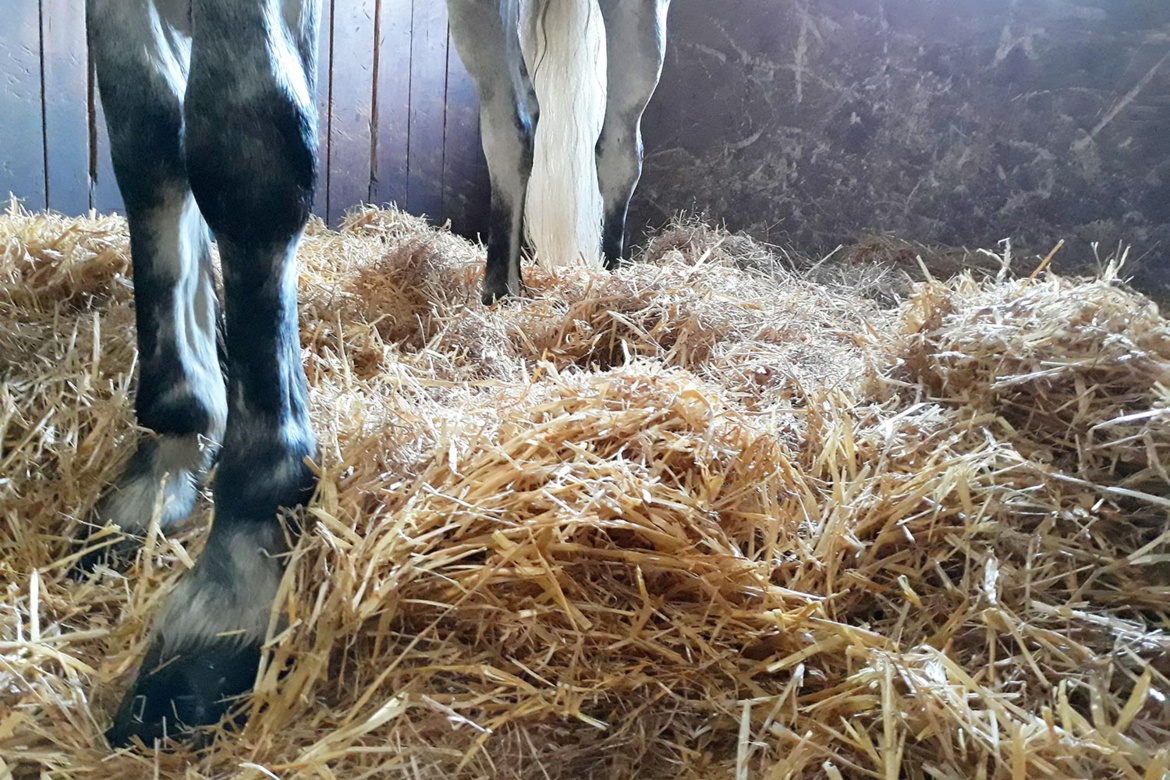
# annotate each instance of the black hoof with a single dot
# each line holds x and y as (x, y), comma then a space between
(114, 550)
(615, 264)
(176, 695)
(495, 290)
(494, 293)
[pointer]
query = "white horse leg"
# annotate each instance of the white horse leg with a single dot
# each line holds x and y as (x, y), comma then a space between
(486, 36)
(636, 39)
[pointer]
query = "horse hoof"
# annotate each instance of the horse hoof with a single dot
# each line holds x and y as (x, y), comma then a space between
(492, 295)
(496, 290)
(615, 264)
(177, 693)
(117, 554)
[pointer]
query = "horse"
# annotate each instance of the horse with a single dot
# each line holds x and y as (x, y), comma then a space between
(213, 133)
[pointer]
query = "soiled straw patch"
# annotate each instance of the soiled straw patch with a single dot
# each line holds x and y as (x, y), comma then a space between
(702, 518)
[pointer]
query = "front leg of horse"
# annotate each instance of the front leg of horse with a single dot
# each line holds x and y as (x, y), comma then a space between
(251, 159)
(181, 397)
(141, 69)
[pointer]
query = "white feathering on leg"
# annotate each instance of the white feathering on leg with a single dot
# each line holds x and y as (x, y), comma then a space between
(229, 594)
(168, 484)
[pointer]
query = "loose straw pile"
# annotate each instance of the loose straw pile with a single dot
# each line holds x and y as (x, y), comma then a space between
(703, 518)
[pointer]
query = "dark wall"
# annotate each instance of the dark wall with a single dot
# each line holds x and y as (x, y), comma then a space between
(955, 121)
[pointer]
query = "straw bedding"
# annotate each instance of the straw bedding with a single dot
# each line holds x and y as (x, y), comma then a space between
(703, 518)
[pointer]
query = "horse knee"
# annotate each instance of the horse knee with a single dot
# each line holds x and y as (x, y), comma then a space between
(619, 159)
(253, 176)
(251, 127)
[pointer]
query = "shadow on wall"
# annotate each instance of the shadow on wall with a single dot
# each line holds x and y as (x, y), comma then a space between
(960, 122)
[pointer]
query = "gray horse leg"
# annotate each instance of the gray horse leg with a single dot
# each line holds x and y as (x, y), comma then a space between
(142, 56)
(250, 151)
(486, 36)
(635, 32)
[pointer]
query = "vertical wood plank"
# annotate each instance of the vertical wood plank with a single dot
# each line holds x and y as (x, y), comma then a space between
(66, 112)
(466, 189)
(428, 103)
(324, 87)
(392, 104)
(104, 196)
(22, 139)
(351, 100)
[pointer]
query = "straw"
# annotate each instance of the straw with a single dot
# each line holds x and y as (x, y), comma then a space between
(706, 517)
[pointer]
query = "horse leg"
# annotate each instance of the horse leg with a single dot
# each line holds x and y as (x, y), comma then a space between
(141, 58)
(635, 32)
(251, 160)
(486, 36)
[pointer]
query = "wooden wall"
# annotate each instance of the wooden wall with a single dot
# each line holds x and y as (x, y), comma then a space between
(398, 115)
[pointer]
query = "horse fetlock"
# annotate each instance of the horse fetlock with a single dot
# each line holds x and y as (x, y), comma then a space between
(161, 482)
(261, 481)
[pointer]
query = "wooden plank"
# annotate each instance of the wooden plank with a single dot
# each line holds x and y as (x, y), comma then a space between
(22, 139)
(104, 196)
(351, 99)
(324, 82)
(466, 188)
(428, 88)
(66, 111)
(391, 104)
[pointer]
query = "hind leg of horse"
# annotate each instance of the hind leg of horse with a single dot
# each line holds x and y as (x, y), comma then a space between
(491, 53)
(635, 32)
(251, 159)
(141, 65)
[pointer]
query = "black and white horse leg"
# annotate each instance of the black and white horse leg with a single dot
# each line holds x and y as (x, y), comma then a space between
(251, 158)
(635, 32)
(487, 38)
(141, 55)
